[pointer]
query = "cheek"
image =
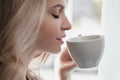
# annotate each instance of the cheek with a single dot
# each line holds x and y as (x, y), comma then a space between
(49, 31)
(51, 25)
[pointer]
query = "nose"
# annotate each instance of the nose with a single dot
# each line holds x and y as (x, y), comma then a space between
(66, 24)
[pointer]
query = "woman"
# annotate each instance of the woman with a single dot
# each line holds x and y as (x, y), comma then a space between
(29, 28)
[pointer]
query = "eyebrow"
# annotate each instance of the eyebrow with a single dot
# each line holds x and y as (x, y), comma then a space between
(58, 5)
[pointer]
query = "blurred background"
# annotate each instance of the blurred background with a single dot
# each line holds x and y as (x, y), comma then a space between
(85, 17)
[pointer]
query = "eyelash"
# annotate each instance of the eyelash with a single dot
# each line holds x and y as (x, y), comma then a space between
(55, 16)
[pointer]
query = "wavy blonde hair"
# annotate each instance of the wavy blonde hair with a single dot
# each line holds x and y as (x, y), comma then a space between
(20, 22)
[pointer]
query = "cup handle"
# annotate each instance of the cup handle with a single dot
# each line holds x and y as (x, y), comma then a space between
(79, 35)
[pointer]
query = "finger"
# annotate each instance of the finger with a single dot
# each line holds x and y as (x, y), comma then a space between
(68, 66)
(65, 56)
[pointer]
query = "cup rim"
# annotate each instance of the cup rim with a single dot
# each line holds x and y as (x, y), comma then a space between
(84, 38)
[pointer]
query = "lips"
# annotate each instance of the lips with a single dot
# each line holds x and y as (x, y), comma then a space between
(60, 39)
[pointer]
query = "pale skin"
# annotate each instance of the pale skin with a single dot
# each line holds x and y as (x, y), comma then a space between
(53, 27)
(51, 33)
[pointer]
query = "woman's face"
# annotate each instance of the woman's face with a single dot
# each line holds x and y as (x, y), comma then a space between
(53, 27)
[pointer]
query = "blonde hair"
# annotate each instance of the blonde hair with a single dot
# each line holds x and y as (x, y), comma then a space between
(20, 22)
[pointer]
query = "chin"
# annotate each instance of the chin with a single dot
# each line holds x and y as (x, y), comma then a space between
(55, 51)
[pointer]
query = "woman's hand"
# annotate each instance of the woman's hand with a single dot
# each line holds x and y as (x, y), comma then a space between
(66, 65)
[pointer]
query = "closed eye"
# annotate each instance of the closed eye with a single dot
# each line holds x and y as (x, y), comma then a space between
(55, 16)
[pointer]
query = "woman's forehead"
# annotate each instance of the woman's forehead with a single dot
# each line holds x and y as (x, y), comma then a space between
(51, 3)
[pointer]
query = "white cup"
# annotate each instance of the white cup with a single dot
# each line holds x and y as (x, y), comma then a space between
(86, 50)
